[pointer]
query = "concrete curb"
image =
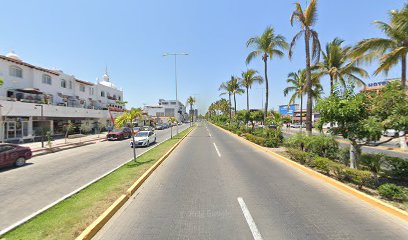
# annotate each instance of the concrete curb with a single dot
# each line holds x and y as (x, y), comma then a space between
(62, 147)
(339, 185)
(92, 229)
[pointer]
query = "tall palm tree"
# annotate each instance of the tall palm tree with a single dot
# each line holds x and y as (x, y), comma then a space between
(191, 101)
(126, 119)
(249, 77)
(391, 50)
(307, 19)
(268, 45)
(337, 66)
(226, 89)
(235, 87)
(297, 81)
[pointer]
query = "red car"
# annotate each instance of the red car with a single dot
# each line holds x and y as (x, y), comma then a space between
(119, 134)
(12, 154)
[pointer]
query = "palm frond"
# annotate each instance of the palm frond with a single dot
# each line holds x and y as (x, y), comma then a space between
(311, 13)
(390, 59)
(293, 43)
(252, 55)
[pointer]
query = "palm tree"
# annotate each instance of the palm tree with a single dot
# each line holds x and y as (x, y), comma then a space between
(268, 45)
(249, 77)
(297, 81)
(191, 101)
(226, 89)
(337, 66)
(235, 87)
(307, 19)
(126, 119)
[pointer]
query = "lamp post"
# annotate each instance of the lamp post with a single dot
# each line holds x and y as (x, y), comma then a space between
(175, 77)
(42, 115)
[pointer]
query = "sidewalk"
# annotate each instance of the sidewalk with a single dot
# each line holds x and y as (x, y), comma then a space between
(63, 144)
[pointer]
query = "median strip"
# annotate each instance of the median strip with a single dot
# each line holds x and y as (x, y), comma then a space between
(69, 218)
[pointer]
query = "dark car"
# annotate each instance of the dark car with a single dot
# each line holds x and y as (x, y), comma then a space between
(119, 134)
(159, 127)
(12, 154)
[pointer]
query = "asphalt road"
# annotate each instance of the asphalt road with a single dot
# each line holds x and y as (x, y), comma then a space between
(213, 186)
(47, 178)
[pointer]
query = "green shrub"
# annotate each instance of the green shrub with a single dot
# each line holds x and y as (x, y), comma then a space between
(337, 169)
(323, 146)
(299, 156)
(255, 139)
(398, 167)
(343, 155)
(393, 192)
(359, 177)
(297, 141)
(372, 162)
(321, 164)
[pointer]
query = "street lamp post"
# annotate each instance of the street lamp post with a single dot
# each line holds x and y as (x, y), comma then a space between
(42, 115)
(175, 77)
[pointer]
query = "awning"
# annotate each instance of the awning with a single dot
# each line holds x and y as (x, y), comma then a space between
(30, 90)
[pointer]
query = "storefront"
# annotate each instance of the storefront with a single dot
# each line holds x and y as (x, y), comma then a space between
(15, 128)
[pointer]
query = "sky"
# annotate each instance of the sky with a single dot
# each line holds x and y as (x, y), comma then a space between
(81, 37)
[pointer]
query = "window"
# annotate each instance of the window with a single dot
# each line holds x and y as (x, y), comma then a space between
(16, 72)
(82, 88)
(173, 103)
(114, 97)
(46, 79)
(119, 98)
(63, 83)
(70, 84)
(91, 91)
(102, 94)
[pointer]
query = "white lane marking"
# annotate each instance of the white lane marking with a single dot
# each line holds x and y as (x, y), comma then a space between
(216, 149)
(251, 223)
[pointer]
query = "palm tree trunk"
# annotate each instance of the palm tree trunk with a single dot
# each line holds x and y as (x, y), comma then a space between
(308, 85)
(235, 105)
(403, 143)
(301, 110)
(266, 86)
(229, 96)
(331, 85)
(247, 99)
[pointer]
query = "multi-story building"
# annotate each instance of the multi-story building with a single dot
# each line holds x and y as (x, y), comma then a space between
(34, 97)
(166, 109)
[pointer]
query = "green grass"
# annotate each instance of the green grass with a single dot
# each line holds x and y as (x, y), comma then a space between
(69, 218)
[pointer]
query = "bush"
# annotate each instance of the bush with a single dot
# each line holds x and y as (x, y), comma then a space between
(321, 164)
(372, 162)
(359, 177)
(337, 169)
(297, 141)
(392, 192)
(398, 167)
(255, 139)
(299, 156)
(343, 155)
(323, 146)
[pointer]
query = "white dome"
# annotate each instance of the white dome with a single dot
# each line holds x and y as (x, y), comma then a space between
(13, 55)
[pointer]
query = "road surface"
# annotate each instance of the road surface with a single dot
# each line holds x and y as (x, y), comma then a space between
(47, 178)
(213, 186)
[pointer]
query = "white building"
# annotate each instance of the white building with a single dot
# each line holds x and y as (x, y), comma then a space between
(34, 97)
(166, 109)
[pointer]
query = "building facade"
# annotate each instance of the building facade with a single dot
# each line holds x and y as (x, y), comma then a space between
(34, 98)
(167, 109)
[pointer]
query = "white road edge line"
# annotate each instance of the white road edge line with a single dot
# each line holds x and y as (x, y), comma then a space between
(251, 223)
(26, 219)
(216, 149)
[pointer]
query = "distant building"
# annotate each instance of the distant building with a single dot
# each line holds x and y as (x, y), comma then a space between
(166, 109)
(378, 86)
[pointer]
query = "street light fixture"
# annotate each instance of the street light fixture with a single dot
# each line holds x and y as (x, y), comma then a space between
(42, 115)
(175, 77)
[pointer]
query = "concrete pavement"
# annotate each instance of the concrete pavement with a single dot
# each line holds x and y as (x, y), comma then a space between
(215, 187)
(47, 178)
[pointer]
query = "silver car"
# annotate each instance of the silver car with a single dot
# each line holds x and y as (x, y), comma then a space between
(144, 139)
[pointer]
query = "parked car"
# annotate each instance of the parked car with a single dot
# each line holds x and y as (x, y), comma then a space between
(390, 133)
(297, 125)
(159, 127)
(165, 125)
(144, 139)
(12, 154)
(136, 130)
(147, 128)
(119, 134)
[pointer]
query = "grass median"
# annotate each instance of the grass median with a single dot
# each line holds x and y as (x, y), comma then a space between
(69, 218)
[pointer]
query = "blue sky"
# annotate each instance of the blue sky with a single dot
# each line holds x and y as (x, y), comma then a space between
(81, 37)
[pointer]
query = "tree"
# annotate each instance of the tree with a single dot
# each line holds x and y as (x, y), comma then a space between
(361, 118)
(268, 45)
(391, 50)
(256, 116)
(337, 66)
(307, 19)
(226, 89)
(126, 119)
(249, 77)
(191, 101)
(235, 89)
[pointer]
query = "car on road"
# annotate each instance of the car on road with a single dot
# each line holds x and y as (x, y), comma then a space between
(297, 125)
(144, 139)
(159, 127)
(136, 130)
(119, 134)
(147, 128)
(13, 154)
